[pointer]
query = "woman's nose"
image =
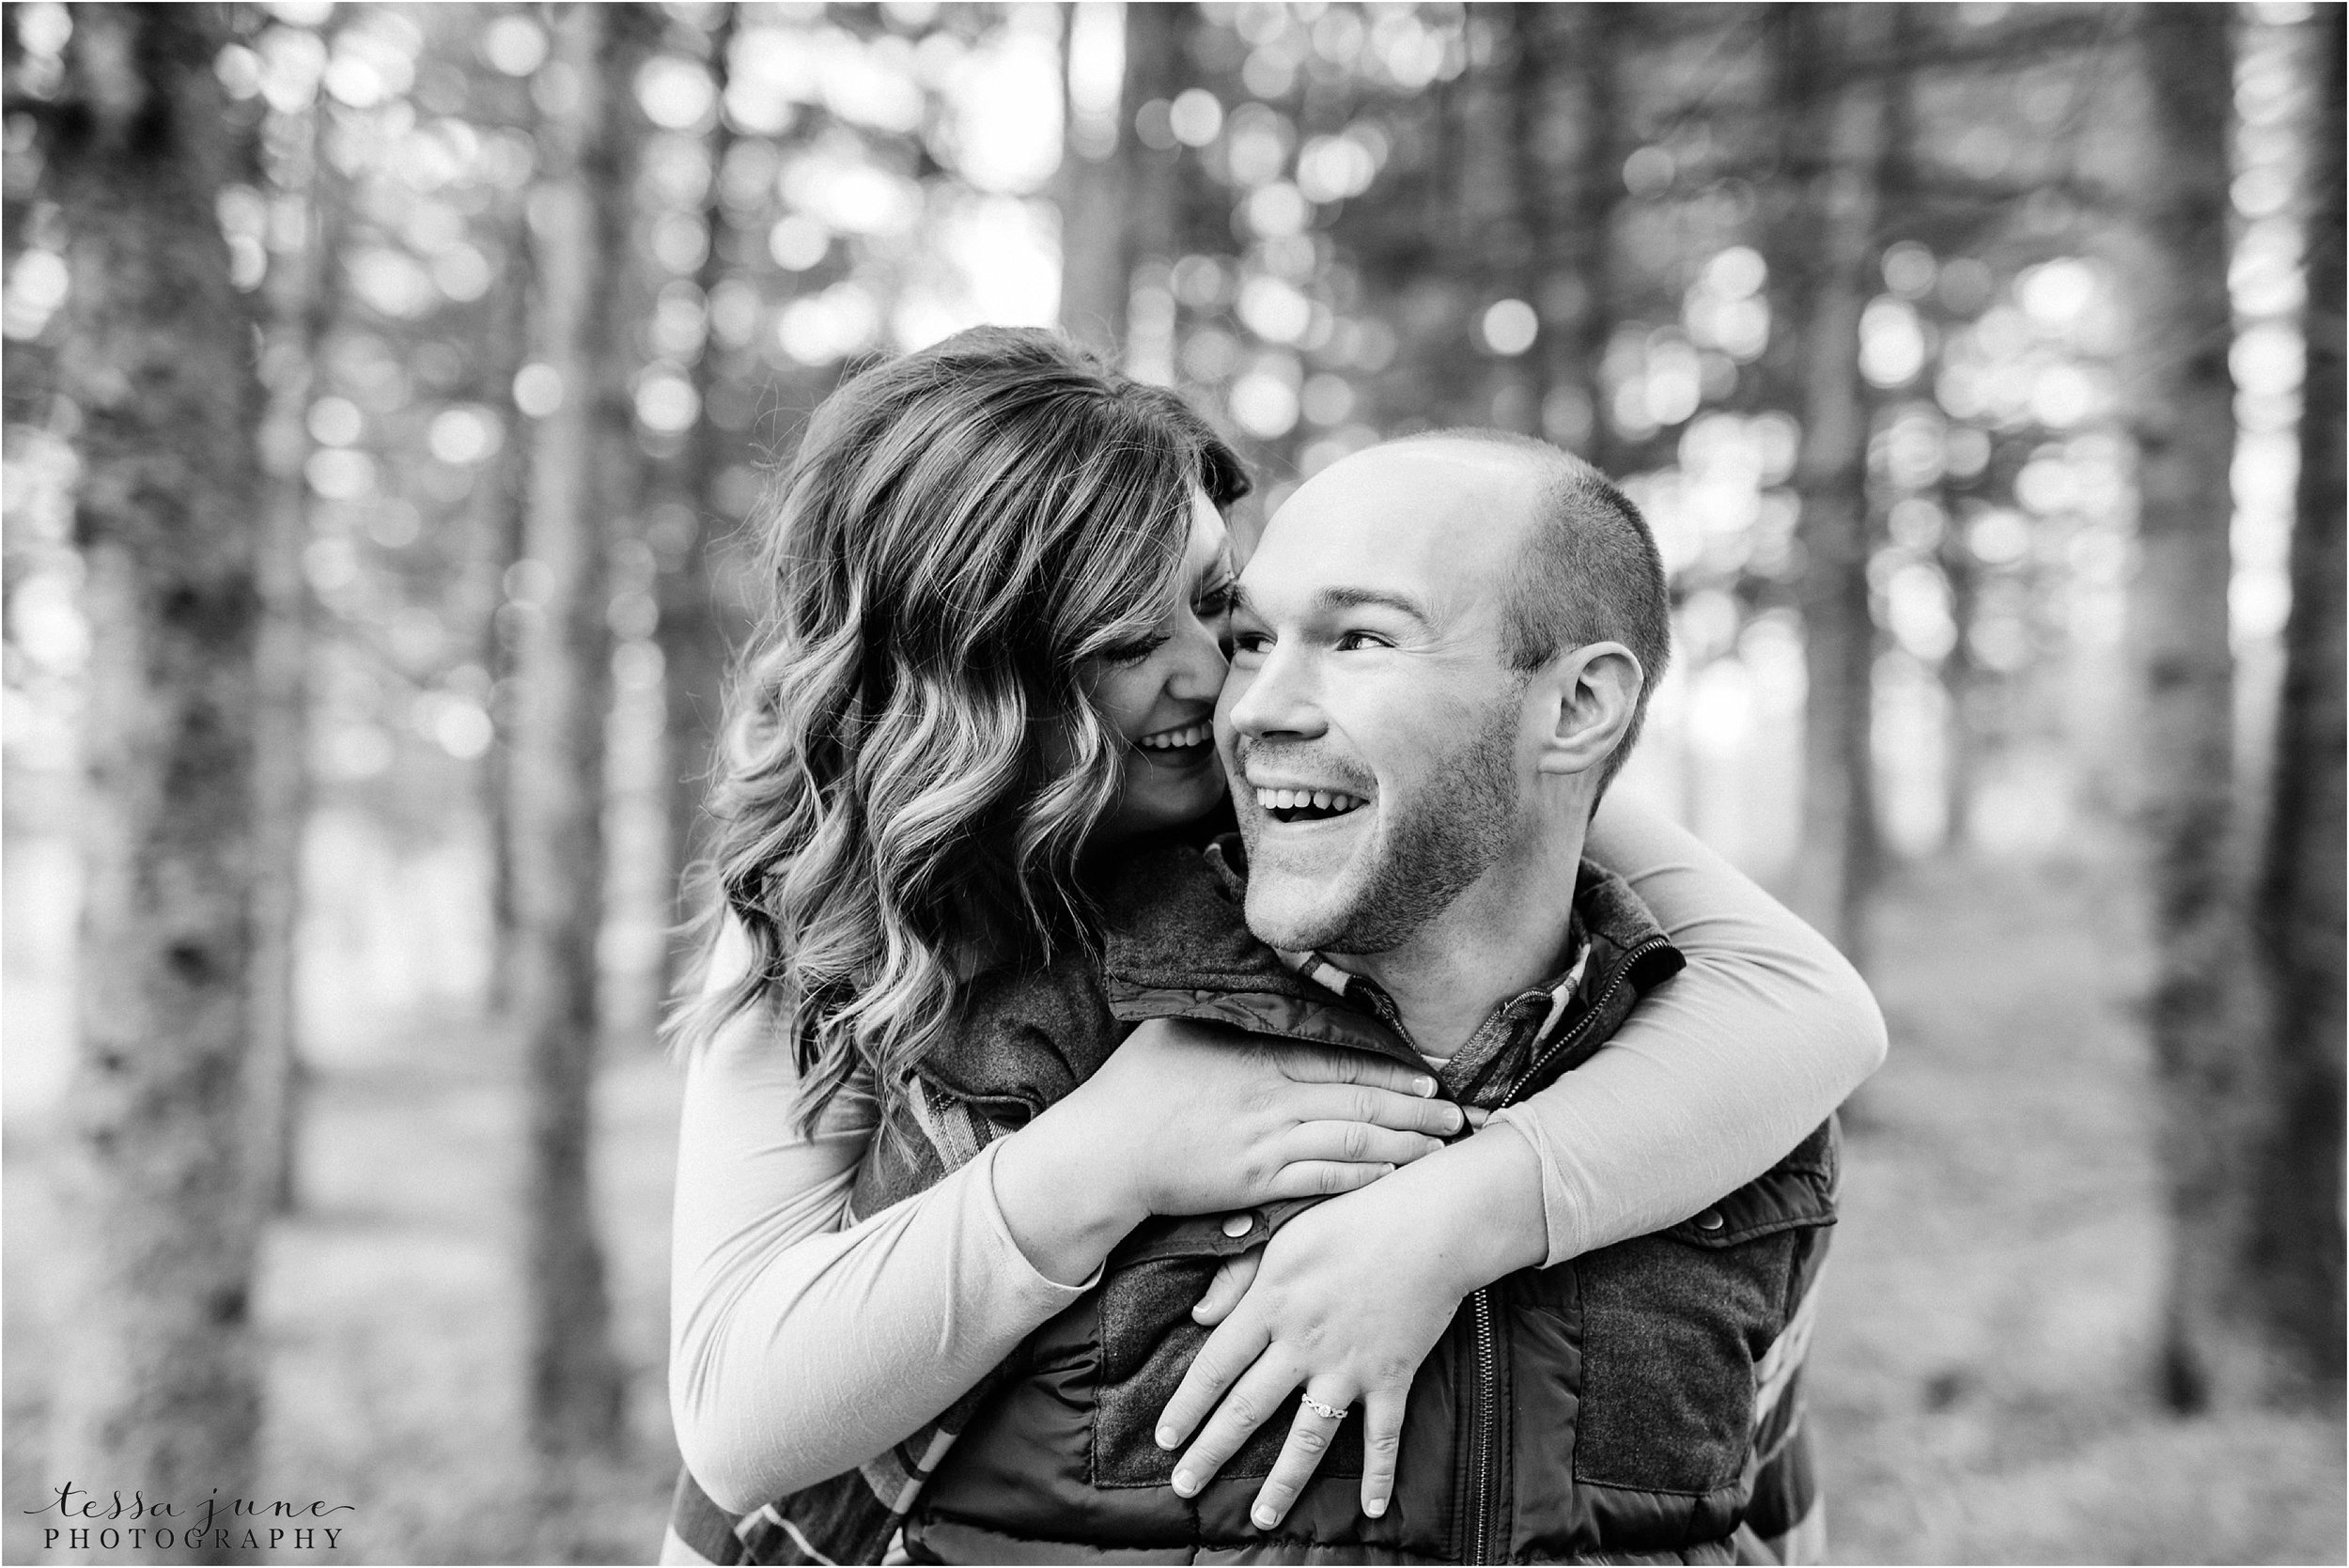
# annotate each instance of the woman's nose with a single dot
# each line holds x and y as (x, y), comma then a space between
(1199, 664)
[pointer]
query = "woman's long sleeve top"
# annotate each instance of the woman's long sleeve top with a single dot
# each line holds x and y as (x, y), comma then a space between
(802, 1344)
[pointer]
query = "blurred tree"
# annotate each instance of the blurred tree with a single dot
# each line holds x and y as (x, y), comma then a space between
(1496, 187)
(2206, 1020)
(1169, 204)
(157, 1384)
(300, 296)
(1576, 156)
(694, 645)
(493, 525)
(1095, 183)
(1830, 69)
(581, 454)
(1446, 276)
(1962, 674)
(2295, 1247)
(1409, 281)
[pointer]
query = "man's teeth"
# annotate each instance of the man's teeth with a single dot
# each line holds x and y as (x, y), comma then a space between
(1168, 740)
(1297, 799)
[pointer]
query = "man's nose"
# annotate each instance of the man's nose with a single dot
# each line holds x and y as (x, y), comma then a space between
(1275, 698)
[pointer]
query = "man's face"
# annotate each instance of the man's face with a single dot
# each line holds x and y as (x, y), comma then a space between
(1376, 737)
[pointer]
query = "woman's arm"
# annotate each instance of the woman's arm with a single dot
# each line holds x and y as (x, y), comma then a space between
(800, 1344)
(1717, 1072)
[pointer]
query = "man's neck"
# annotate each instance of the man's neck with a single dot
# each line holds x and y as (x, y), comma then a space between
(1503, 936)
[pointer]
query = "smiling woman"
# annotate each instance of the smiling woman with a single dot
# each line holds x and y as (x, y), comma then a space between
(1160, 693)
(975, 551)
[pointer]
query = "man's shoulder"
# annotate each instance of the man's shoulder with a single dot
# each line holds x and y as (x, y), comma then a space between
(1623, 933)
(1177, 945)
(1174, 919)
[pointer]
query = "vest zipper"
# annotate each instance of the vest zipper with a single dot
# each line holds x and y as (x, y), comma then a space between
(1485, 1504)
(1621, 978)
(1487, 1430)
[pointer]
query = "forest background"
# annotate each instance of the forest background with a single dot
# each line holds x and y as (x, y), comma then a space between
(387, 388)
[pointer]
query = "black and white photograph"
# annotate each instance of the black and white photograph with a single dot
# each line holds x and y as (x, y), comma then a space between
(1090, 782)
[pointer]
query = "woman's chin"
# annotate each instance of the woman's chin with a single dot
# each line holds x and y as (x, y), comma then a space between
(1162, 795)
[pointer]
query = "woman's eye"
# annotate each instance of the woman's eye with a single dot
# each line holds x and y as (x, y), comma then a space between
(1134, 653)
(1214, 603)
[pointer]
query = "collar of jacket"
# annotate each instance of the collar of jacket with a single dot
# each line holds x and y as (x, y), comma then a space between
(1177, 945)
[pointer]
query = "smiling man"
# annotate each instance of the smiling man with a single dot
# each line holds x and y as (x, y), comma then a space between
(1443, 651)
(1458, 634)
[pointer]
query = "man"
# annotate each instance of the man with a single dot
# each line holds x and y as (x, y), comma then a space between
(1444, 650)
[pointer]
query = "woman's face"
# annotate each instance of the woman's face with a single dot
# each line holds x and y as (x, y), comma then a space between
(1161, 702)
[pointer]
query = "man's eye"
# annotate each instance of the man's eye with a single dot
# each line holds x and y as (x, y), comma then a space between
(1250, 642)
(1354, 642)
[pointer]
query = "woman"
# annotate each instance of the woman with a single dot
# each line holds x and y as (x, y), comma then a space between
(1001, 578)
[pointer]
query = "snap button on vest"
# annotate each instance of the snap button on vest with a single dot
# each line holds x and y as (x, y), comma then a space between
(1236, 1225)
(1710, 1221)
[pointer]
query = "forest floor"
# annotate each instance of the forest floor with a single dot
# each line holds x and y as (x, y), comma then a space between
(1984, 1381)
(1981, 1387)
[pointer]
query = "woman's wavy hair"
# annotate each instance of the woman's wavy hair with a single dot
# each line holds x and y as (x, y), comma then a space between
(913, 766)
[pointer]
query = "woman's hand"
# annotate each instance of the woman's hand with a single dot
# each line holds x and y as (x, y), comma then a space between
(1187, 1117)
(1193, 1119)
(1347, 1300)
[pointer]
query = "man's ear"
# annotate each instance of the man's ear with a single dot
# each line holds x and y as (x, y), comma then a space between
(1594, 690)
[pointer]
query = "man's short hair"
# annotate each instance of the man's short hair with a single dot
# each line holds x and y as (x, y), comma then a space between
(1590, 572)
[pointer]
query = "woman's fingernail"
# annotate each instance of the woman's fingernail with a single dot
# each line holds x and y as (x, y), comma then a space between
(1166, 1437)
(1423, 1086)
(1376, 1507)
(1185, 1483)
(1265, 1518)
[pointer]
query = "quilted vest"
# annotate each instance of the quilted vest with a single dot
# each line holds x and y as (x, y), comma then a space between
(1639, 1403)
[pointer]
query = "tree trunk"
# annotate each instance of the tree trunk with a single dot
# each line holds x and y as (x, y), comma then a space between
(1516, 247)
(2204, 1017)
(692, 641)
(1574, 255)
(495, 525)
(2295, 1246)
(1905, 211)
(300, 305)
(1158, 217)
(1962, 682)
(563, 687)
(1838, 119)
(156, 1386)
(1095, 183)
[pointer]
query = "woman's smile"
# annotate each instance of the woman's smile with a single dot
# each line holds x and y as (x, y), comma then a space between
(1161, 702)
(1184, 746)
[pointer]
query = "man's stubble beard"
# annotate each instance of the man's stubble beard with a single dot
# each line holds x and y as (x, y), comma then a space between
(1431, 851)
